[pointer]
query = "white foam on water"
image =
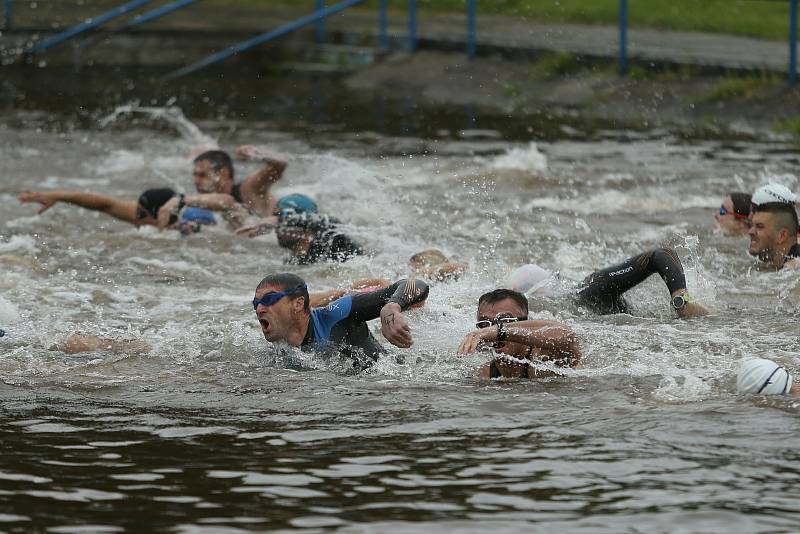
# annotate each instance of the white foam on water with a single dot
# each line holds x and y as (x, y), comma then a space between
(20, 243)
(528, 158)
(172, 115)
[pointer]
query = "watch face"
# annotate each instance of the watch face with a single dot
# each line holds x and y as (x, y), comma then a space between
(678, 302)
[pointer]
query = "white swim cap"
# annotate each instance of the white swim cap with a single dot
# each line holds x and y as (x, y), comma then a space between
(527, 277)
(763, 377)
(773, 192)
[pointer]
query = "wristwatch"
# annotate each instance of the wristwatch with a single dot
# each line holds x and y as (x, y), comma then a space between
(501, 332)
(679, 301)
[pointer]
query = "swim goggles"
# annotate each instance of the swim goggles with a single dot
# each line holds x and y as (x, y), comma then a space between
(724, 211)
(486, 323)
(269, 299)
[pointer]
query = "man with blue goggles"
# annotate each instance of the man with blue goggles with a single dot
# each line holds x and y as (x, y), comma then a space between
(282, 306)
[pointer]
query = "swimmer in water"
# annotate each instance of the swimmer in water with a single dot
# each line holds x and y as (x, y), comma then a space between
(282, 307)
(773, 236)
(312, 238)
(435, 266)
(760, 376)
(213, 177)
(504, 327)
(141, 212)
(733, 217)
(603, 291)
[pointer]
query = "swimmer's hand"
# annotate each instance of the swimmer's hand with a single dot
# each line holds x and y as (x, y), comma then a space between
(250, 152)
(261, 226)
(45, 199)
(394, 327)
(169, 208)
(475, 339)
(692, 309)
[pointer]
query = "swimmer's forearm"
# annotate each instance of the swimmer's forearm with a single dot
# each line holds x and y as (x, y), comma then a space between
(90, 201)
(556, 340)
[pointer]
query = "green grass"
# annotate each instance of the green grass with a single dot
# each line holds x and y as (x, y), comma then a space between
(756, 18)
(790, 126)
(740, 88)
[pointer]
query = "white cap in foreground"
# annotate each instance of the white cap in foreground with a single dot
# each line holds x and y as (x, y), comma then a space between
(763, 377)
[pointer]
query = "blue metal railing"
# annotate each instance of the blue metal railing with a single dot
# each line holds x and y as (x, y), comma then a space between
(89, 25)
(158, 12)
(8, 13)
(263, 38)
(793, 43)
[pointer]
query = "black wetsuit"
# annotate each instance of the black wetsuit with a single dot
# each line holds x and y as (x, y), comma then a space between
(342, 325)
(327, 242)
(794, 252)
(236, 193)
(602, 291)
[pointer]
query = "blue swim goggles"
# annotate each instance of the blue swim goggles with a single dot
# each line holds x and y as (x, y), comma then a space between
(271, 298)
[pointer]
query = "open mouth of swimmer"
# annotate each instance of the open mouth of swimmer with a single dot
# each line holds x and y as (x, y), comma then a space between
(264, 324)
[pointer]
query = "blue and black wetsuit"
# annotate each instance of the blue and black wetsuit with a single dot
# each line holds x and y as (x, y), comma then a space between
(342, 325)
(602, 291)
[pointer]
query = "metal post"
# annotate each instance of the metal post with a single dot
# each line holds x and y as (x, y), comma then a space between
(623, 36)
(471, 29)
(383, 23)
(8, 6)
(792, 43)
(412, 26)
(320, 31)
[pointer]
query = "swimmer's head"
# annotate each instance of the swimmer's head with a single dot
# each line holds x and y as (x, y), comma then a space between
(289, 236)
(213, 172)
(501, 305)
(427, 258)
(296, 203)
(773, 192)
(281, 304)
(733, 214)
(773, 230)
(527, 277)
(151, 200)
(760, 376)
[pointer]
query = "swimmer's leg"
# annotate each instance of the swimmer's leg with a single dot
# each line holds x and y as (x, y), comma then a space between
(602, 290)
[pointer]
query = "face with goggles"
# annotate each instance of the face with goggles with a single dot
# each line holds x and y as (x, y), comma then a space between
(729, 221)
(278, 310)
(505, 312)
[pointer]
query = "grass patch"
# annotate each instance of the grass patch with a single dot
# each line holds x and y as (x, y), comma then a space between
(554, 65)
(790, 126)
(754, 18)
(740, 88)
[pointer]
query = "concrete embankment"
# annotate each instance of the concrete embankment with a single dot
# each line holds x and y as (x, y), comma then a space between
(686, 80)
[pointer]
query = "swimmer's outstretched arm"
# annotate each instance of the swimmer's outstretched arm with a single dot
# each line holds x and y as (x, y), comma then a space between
(256, 186)
(124, 210)
(323, 298)
(554, 341)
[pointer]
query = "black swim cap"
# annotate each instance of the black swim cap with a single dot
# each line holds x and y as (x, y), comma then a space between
(741, 203)
(151, 200)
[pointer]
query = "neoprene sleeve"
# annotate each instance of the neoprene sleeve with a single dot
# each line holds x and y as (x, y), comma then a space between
(367, 306)
(602, 290)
